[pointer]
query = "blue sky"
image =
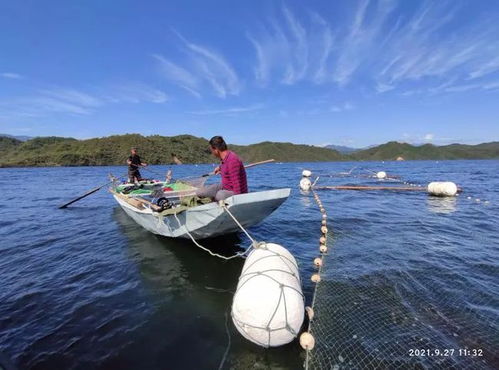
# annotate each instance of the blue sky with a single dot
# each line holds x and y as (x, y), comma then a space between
(344, 72)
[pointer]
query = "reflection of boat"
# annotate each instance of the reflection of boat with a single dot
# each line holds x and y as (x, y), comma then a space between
(203, 221)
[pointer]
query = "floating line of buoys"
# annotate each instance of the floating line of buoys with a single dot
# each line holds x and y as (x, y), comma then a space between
(307, 340)
(441, 189)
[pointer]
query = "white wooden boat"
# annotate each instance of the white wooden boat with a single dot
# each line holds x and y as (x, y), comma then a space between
(206, 220)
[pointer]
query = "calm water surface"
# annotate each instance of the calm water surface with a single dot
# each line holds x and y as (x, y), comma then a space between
(86, 287)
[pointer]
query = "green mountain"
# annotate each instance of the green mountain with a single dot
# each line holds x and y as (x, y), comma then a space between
(392, 150)
(113, 150)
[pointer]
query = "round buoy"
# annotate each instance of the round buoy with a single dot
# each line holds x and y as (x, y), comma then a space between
(324, 217)
(318, 261)
(442, 189)
(322, 240)
(315, 278)
(305, 184)
(307, 341)
(324, 222)
(268, 306)
(323, 249)
(324, 229)
(306, 173)
(381, 175)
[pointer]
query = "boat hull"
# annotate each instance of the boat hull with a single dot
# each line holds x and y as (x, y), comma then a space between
(211, 219)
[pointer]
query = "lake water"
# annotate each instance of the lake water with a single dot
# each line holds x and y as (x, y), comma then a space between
(86, 287)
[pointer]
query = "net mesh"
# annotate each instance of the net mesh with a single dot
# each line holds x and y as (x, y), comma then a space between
(370, 314)
(396, 320)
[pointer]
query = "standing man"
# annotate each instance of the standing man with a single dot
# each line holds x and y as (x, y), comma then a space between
(134, 163)
(232, 170)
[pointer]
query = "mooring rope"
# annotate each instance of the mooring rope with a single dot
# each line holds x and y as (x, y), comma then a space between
(222, 362)
(254, 243)
(207, 249)
(226, 209)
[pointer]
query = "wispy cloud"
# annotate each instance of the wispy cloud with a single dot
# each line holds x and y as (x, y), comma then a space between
(380, 43)
(282, 46)
(342, 107)
(179, 75)
(11, 75)
(61, 100)
(204, 67)
(135, 93)
(230, 110)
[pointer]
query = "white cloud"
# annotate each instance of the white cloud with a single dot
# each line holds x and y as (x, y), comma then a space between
(62, 100)
(342, 107)
(202, 67)
(230, 110)
(11, 75)
(135, 93)
(429, 137)
(179, 75)
(290, 50)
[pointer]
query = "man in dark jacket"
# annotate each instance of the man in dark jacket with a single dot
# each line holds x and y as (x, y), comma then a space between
(134, 162)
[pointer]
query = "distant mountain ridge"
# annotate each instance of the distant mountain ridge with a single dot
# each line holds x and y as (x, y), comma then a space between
(342, 149)
(21, 137)
(156, 149)
(393, 150)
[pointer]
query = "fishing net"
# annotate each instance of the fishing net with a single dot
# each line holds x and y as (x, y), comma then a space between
(197, 182)
(401, 318)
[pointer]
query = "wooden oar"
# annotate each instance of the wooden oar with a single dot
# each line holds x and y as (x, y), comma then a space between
(85, 195)
(247, 166)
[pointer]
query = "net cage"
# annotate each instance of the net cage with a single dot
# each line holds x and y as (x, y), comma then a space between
(399, 318)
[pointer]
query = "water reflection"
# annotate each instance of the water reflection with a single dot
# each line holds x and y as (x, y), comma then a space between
(192, 292)
(441, 205)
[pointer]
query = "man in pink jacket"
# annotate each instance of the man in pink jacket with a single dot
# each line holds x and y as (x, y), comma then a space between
(231, 169)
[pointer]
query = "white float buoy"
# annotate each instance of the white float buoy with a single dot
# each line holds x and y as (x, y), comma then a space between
(381, 175)
(442, 189)
(306, 173)
(305, 184)
(316, 278)
(307, 341)
(268, 306)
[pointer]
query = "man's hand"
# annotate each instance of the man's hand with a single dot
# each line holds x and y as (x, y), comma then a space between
(216, 171)
(143, 164)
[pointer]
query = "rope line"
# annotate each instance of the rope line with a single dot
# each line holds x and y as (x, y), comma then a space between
(204, 248)
(228, 344)
(224, 206)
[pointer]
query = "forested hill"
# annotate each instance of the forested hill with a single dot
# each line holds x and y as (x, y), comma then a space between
(392, 150)
(113, 150)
